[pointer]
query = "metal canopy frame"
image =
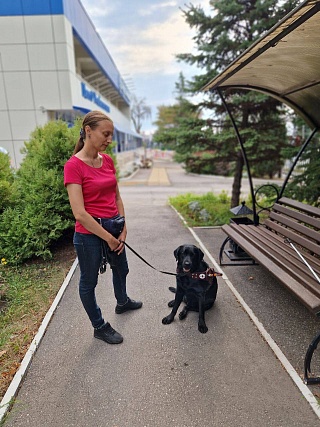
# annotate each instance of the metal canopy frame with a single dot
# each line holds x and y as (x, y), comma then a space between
(285, 64)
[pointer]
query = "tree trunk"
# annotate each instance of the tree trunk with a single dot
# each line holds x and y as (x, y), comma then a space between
(236, 186)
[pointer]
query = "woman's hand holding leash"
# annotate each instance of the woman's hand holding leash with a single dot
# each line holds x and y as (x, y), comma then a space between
(113, 243)
(121, 240)
(120, 248)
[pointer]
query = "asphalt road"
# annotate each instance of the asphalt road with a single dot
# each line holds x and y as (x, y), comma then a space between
(168, 375)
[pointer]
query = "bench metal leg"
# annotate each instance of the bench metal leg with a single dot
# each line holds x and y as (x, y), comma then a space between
(222, 249)
(234, 258)
(307, 361)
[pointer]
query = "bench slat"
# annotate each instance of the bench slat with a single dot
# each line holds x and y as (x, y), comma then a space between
(309, 299)
(306, 231)
(314, 222)
(278, 240)
(273, 240)
(298, 270)
(312, 210)
(313, 247)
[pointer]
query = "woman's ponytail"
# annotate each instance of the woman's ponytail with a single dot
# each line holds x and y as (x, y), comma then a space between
(79, 145)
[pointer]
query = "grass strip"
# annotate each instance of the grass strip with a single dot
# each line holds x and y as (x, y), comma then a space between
(26, 294)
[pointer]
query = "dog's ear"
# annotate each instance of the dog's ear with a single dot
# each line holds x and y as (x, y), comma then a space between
(201, 254)
(176, 252)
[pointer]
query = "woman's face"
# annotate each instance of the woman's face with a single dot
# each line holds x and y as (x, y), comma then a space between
(101, 136)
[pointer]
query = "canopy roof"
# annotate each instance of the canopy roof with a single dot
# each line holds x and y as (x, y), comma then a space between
(284, 63)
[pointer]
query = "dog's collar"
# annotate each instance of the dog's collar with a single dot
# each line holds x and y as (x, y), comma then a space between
(207, 275)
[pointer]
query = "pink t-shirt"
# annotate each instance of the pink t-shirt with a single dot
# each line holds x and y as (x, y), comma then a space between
(98, 187)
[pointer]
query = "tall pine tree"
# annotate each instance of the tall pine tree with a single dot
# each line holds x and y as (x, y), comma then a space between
(172, 118)
(230, 28)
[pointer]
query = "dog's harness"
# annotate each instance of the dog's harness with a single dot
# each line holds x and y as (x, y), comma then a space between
(207, 275)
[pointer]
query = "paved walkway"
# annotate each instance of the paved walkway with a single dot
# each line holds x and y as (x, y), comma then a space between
(158, 176)
(160, 376)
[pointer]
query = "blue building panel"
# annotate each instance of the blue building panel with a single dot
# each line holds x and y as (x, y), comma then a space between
(11, 8)
(31, 7)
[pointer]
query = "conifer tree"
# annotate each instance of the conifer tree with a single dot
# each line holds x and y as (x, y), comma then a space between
(304, 184)
(230, 28)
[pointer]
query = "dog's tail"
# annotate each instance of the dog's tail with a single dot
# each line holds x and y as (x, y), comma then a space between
(172, 289)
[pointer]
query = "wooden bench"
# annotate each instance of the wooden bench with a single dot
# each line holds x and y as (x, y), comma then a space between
(266, 244)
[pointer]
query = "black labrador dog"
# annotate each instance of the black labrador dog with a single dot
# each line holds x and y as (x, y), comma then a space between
(197, 285)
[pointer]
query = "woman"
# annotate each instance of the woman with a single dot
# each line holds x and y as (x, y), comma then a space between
(90, 179)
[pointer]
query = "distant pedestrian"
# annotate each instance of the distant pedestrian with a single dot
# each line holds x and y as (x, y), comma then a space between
(90, 179)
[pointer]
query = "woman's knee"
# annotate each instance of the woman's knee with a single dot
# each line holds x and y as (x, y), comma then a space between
(86, 288)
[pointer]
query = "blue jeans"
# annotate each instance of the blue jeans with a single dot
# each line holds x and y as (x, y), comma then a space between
(88, 248)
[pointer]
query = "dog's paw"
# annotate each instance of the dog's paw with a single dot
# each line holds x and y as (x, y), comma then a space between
(167, 320)
(183, 314)
(202, 328)
(171, 303)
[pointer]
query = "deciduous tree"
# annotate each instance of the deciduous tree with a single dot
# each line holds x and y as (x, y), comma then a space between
(139, 111)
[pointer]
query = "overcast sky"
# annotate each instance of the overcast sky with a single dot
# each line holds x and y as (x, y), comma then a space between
(143, 37)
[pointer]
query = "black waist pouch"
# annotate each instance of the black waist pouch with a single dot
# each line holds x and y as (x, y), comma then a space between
(113, 225)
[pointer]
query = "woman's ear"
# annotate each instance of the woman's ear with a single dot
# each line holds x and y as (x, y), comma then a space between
(87, 130)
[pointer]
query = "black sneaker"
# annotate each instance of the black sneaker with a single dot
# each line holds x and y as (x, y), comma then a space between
(129, 305)
(108, 334)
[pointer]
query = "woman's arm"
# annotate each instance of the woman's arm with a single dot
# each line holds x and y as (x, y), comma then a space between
(119, 202)
(120, 207)
(85, 219)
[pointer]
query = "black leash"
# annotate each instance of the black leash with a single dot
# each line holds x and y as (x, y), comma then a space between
(206, 275)
(146, 262)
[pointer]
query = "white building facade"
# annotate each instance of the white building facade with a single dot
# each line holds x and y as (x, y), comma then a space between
(54, 65)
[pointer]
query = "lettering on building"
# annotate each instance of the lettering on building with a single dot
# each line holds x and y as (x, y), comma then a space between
(92, 96)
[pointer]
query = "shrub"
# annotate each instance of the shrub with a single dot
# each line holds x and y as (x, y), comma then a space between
(40, 213)
(6, 180)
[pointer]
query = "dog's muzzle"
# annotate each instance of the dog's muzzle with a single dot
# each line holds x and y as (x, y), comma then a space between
(186, 266)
